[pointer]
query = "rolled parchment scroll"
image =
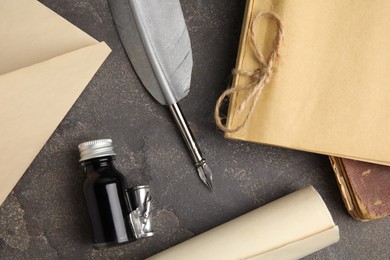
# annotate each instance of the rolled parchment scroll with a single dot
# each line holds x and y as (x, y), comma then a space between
(288, 228)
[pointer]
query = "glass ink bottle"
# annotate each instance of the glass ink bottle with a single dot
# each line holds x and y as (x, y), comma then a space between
(117, 214)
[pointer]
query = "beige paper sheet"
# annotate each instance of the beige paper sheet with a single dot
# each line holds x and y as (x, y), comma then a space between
(45, 63)
(288, 228)
(331, 93)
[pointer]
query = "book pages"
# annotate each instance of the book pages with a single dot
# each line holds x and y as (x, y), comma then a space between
(329, 93)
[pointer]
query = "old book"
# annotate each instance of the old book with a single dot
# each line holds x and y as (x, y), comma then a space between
(365, 187)
(329, 93)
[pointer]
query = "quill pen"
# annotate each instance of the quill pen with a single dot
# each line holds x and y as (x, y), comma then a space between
(156, 40)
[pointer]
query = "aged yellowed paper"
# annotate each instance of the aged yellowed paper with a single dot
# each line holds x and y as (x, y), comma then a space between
(330, 93)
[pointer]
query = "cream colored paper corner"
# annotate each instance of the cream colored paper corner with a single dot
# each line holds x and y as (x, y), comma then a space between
(49, 63)
(32, 33)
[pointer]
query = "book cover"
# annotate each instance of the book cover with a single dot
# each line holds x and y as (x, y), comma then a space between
(364, 187)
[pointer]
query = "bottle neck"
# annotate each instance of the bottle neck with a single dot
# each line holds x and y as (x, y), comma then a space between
(97, 164)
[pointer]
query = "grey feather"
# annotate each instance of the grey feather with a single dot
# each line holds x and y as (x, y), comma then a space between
(156, 39)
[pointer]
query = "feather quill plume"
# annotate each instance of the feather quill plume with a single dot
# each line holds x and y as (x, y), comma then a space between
(156, 40)
(155, 37)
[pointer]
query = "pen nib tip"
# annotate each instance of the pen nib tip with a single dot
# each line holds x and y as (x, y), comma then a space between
(205, 175)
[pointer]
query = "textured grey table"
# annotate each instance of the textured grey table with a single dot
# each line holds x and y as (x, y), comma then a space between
(45, 215)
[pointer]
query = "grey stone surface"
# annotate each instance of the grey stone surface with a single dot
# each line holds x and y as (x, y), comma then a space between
(45, 215)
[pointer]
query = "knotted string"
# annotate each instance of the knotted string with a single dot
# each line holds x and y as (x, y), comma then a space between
(260, 76)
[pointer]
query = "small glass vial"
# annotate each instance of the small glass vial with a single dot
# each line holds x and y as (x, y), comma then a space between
(107, 195)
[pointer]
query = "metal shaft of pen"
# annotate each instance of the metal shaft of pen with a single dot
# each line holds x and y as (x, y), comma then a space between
(188, 137)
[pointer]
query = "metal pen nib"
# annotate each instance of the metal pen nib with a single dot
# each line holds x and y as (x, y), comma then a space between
(205, 175)
(204, 171)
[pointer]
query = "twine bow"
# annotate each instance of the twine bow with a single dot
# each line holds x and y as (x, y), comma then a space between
(260, 76)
